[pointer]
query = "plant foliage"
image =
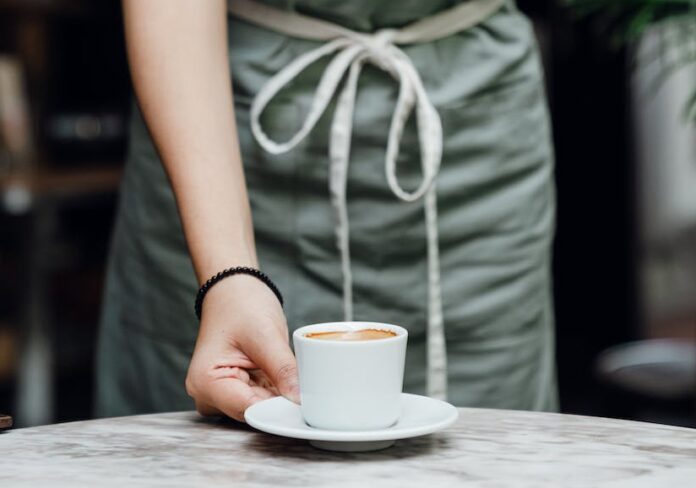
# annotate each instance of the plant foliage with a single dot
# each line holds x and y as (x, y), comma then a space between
(626, 20)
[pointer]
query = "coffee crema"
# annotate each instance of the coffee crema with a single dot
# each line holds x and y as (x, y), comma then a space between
(352, 335)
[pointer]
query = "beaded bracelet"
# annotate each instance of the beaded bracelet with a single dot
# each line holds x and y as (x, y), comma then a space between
(229, 272)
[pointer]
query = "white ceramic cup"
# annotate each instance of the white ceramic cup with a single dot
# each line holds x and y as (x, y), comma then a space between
(350, 385)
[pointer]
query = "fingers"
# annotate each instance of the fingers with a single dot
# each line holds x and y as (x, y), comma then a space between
(263, 393)
(259, 378)
(231, 397)
(272, 354)
(225, 390)
(206, 410)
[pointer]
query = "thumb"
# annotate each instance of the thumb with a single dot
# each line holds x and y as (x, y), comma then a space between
(274, 357)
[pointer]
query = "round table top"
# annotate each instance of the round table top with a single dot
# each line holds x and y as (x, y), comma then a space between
(485, 448)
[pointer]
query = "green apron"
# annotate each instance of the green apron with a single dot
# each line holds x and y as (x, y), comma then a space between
(495, 200)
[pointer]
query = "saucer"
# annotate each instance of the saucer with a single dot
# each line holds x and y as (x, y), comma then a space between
(420, 415)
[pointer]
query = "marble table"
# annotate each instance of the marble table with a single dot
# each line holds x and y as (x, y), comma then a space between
(485, 448)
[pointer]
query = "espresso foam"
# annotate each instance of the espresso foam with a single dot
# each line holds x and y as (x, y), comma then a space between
(352, 335)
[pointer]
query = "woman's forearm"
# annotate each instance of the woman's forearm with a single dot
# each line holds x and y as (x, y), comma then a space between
(179, 64)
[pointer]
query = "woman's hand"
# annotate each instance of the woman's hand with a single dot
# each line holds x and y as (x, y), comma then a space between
(242, 353)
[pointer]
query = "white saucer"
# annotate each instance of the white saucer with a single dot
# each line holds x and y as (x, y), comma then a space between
(420, 415)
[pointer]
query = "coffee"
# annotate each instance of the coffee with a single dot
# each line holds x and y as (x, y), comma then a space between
(352, 335)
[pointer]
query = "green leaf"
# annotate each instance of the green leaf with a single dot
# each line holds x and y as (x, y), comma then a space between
(631, 18)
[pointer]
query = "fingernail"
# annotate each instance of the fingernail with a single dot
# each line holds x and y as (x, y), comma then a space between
(293, 394)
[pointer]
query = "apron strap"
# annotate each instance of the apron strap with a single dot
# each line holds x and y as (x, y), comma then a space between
(351, 50)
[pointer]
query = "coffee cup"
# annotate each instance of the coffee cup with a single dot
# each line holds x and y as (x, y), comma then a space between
(351, 374)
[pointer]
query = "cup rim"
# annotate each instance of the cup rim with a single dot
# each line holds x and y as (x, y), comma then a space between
(299, 334)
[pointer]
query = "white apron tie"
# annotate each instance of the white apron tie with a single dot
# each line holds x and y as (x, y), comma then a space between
(351, 51)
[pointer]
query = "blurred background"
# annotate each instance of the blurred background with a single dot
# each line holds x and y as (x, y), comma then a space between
(621, 85)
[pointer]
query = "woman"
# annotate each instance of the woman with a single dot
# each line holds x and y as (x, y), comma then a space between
(469, 276)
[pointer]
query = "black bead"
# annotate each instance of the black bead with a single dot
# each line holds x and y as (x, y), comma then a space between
(198, 305)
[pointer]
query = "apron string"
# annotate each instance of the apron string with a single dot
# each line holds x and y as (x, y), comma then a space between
(351, 50)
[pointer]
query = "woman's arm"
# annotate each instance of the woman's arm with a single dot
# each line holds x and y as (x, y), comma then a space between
(179, 63)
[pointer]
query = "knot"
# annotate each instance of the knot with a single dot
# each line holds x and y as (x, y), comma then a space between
(379, 47)
(350, 53)
(384, 37)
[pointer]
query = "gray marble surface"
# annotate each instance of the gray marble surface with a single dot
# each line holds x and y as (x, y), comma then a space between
(486, 448)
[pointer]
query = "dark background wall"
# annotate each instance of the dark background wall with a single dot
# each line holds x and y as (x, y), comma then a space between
(595, 269)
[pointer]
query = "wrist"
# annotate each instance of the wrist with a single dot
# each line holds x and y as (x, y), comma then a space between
(213, 265)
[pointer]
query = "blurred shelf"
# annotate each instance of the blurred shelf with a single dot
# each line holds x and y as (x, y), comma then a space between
(39, 194)
(45, 7)
(8, 352)
(47, 182)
